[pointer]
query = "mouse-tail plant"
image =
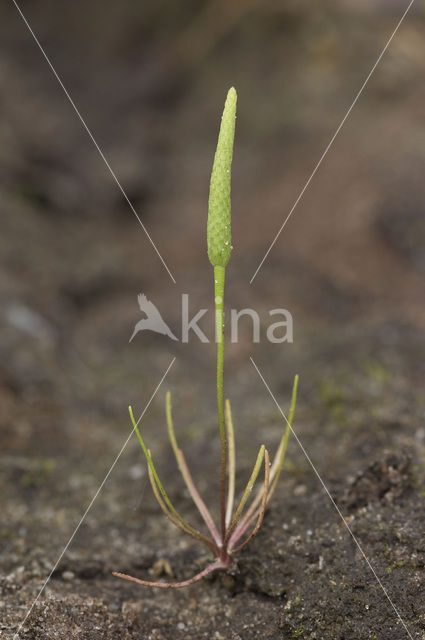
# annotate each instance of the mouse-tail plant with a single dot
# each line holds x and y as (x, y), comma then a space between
(237, 526)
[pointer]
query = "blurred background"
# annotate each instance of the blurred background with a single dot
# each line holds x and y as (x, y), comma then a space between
(150, 79)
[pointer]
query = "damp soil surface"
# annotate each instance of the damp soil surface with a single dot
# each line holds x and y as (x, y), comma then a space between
(342, 562)
(341, 553)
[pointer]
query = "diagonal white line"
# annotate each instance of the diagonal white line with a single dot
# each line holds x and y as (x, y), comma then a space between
(16, 635)
(333, 501)
(83, 122)
(332, 140)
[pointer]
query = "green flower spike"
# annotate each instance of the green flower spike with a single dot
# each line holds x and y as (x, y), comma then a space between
(237, 526)
(218, 229)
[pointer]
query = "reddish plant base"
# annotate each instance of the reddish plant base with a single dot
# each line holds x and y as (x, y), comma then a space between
(239, 528)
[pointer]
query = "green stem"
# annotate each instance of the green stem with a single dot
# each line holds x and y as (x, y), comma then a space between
(219, 276)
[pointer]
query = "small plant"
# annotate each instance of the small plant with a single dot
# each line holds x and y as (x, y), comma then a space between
(237, 526)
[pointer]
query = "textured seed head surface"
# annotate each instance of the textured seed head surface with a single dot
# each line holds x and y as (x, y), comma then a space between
(218, 227)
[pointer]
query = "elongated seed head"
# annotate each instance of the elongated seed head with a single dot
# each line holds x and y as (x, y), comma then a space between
(218, 227)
